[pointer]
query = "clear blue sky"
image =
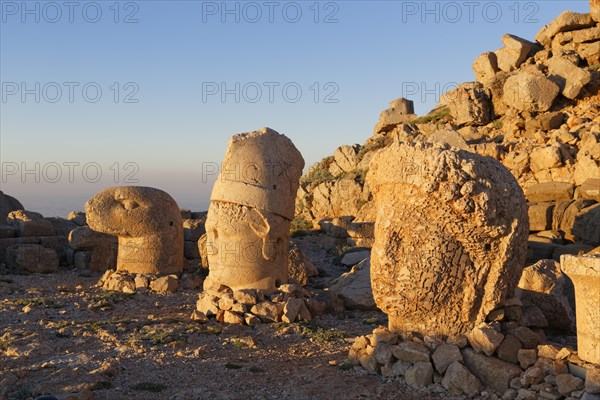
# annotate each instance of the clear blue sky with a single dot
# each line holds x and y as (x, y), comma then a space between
(349, 59)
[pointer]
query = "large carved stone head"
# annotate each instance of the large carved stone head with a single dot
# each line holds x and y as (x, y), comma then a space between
(252, 205)
(450, 236)
(148, 224)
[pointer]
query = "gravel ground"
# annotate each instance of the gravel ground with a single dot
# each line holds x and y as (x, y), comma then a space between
(61, 335)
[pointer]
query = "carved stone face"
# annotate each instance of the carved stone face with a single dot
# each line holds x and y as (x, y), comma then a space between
(148, 224)
(252, 205)
(246, 247)
(450, 237)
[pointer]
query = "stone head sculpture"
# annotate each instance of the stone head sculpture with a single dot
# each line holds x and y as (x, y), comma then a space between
(148, 224)
(252, 205)
(450, 237)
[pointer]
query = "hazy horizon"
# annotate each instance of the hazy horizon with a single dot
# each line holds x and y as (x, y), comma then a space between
(149, 93)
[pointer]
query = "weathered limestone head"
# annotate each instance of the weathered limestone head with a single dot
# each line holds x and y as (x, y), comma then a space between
(261, 170)
(252, 205)
(450, 237)
(148, 224)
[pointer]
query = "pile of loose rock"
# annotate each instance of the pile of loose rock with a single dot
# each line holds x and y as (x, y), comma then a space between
(30, 242)
(126, 282)
(289, 303)
(517, 364)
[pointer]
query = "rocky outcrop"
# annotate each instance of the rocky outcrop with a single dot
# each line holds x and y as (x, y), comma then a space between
(8, 204)
(544, 285)
(534, 108)
(103, 249)
(469, 104)
(300, 267)
(354, 287)
(400, 111)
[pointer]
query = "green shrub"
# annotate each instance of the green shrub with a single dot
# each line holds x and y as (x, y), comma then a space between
(437, 116)
(317, 176)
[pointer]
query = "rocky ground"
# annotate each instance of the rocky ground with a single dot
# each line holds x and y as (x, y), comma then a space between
(61, 335)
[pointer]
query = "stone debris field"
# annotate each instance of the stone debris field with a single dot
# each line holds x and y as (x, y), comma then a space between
(453, 255)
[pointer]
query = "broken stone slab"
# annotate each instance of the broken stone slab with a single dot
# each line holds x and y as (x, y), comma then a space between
(485, 68)
(193, 229)
(335, 227)
(411, 351)
(589, 189)
(267, 311)
(398, 368)
(543, 284)
(586, 225)
(419, 375)
(540, 216)
(492, 372)
(190, 250)
(103, 247)
(586, 168)
(567, 214)
(592, 380)
(354, 257)
(458, 380)
(568, 76)
(514, 52)
(354, 287)
(469, 104)
(527, 337)
(300, 267)
(7, 231)
(549, 191)
(444, 355)
(77, 217)
(584, 271)
(533, 317)
(29, 223)
(550, 120)
(509, 349)
(62, 226)
(485, 339)
(31, 258)
(544, 158)
(526, 357)
(450, 137)
(165, 284)
(529, 91)
(567, 383)
(565, 22)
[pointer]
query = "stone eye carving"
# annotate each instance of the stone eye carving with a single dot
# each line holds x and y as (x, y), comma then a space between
(129, 204)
